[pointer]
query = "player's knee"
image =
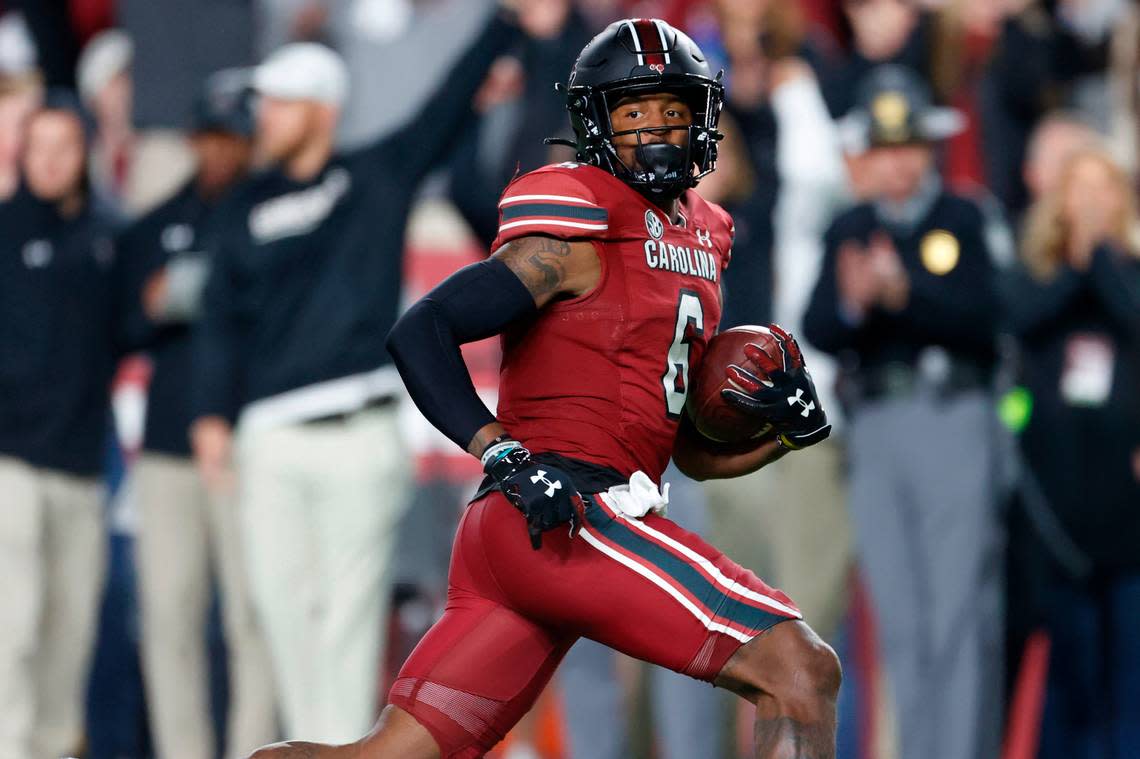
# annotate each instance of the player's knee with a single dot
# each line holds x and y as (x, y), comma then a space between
(792, 665)
(817, 673)
(809, 677)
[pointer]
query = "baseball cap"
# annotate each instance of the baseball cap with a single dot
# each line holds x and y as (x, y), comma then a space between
(303, 71)
(223, 103)
(103, 58)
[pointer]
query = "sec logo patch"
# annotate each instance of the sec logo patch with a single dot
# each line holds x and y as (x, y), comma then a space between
(940, 252)
(653, 225)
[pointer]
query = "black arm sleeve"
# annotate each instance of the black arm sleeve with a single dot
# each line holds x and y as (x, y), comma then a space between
(476, 302)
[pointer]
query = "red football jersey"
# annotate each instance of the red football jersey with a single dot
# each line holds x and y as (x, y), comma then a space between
(603, 378)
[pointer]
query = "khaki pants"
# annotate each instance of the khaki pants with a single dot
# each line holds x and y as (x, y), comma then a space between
(788, 522)
(182, 531)
(320, 505)
(53, 557)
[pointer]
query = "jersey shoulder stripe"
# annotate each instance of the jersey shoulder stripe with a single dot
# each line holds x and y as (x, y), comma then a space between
(554, 211)
(555, 201)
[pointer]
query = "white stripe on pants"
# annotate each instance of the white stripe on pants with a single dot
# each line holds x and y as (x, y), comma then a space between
(320, 505)
(182, 531)
(53, 557)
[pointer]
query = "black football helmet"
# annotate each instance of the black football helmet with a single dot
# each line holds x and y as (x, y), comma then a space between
(640, 56)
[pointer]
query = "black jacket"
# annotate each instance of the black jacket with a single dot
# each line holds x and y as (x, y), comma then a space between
(1079, 336)
(956, 310)
(61, 329)
(307, 275)
(176, 229)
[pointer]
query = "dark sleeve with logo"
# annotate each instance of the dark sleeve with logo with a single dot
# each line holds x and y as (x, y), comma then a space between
(422, 143)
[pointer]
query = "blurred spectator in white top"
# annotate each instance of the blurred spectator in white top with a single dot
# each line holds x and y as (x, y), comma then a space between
(103, 76)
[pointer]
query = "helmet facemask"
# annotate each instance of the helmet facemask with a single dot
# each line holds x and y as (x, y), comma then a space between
(663, 170)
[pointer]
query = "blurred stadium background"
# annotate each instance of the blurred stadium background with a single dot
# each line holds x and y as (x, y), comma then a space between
(1034, 82)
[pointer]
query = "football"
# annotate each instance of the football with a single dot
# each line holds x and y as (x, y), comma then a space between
(711, 415)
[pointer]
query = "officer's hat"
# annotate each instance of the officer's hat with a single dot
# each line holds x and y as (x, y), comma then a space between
(893, 106)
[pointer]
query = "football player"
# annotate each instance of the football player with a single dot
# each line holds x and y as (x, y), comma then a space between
(605, 287)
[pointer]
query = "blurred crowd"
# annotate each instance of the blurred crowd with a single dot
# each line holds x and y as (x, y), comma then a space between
(224, 204)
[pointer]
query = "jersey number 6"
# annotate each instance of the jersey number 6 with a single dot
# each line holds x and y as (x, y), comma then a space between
(690, 323)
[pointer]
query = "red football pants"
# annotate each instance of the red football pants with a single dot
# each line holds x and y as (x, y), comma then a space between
(645, 587)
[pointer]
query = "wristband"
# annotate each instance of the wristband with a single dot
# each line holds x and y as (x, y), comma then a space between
(499, 447)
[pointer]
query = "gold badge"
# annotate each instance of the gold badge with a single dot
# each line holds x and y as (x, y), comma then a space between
(940, 251)
(890, 111)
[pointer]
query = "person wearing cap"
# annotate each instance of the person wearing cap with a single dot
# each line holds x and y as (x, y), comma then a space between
(304, 287)
(185, 537)
(60, 333)
(906, 299)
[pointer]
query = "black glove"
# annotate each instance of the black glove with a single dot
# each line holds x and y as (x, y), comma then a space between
(785, 396)
(544, 494)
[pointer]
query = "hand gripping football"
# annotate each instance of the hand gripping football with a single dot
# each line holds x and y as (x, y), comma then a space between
(711, 414)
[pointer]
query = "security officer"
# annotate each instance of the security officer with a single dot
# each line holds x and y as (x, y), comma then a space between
(906, 300)
(60, 331)
(304, 287)
(183, 532)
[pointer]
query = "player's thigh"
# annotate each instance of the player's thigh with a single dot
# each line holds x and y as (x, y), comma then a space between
(476, 673)
(657, 592)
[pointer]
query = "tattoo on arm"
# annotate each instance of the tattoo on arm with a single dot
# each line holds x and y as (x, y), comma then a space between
(540, 262)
